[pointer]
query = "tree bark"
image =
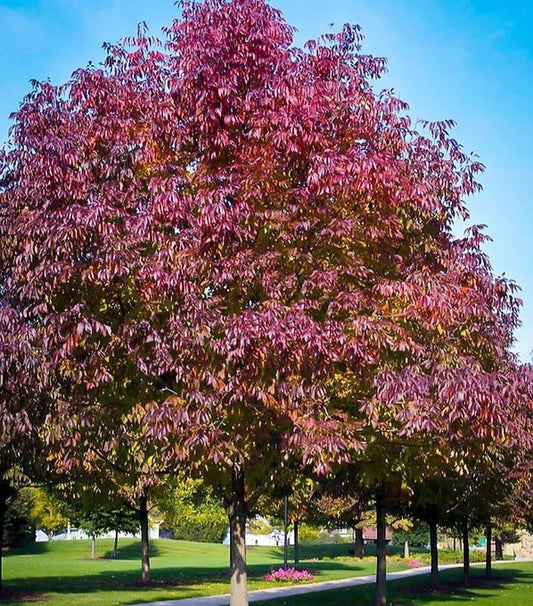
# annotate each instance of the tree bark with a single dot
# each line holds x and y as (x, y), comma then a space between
(93, 546)
(285, 532)
(115, 545)
(145, 545)
(433, 547)
(466, 552)
(4, 493)
(406, 551)
(359, 543)
(237, 522)
(380, 598)
(230, 546)
(488, 554)
(296, 545)
(498, 547)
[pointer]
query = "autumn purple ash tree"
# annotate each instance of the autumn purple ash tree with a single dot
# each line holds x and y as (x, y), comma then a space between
(211, 235)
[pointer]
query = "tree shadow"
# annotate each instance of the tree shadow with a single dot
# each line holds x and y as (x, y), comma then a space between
(416, 592)
(27, 548)
(189, 580)
(452, 588)
(183, 577)
(131, 551)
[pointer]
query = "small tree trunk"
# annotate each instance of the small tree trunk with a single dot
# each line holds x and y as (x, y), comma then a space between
(115, 545)
(296, 545)
(406, 552)
(434, 553)
(359, 543)
(488, 553)
(237, 523)
(380, 598)
(466, 552)
(498, 547)
(93, 546)
(145, 545)
(285, 532)
(4, 493)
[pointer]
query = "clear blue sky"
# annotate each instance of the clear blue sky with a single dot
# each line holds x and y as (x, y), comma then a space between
(470, 60)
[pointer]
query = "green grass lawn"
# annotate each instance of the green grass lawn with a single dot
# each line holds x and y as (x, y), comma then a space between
(63, 574)
(512, 585)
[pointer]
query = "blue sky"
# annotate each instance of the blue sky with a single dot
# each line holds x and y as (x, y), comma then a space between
(470, 60)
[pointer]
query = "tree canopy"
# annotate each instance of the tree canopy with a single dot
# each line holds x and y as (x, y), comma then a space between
(233, 253)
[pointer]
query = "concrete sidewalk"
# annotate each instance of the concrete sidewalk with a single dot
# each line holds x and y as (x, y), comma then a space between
(283, 592)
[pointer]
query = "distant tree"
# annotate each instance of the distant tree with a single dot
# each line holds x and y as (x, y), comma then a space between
(46, 512)
(99, 518)
(191, 512)
(417, 535)
(19, 526)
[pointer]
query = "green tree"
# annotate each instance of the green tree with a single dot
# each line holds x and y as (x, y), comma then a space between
(191, 511)
(19, 526)
(46, 512)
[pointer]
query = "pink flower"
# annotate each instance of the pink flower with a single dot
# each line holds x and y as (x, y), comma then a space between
(289, 574)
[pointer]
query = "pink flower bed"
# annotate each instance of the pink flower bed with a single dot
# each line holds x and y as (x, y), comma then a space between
(414, 563)
(289, 574)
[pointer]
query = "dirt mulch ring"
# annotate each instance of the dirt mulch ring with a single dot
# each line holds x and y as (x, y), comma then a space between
(21, 596)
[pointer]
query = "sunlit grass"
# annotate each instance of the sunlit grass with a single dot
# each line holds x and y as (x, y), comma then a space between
(62, 572)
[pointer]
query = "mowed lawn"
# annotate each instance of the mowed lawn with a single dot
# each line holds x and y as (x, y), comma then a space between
(511, 585)
(62, 573)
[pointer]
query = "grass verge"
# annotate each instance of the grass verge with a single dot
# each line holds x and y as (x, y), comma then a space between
(512, 584)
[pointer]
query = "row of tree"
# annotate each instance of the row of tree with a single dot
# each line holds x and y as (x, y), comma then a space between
(230, 257)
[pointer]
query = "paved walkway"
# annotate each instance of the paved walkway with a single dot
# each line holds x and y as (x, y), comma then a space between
(283, 592)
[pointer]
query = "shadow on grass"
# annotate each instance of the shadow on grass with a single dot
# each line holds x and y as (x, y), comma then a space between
(191, 578)
(412, 592)
(132, 551)
(416, 592)
(29, 548)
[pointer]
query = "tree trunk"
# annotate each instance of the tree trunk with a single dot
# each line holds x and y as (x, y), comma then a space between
(237, 522)
(498, 547)
(115, 545)
(488, 554)
(145, 545)
(296, 545)
(406, 552)
(359, 543)
(285, 532)
(380, 598)
(93, 546)
(4, 493)
(466, 552)
(433, 547)
(230, 547)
